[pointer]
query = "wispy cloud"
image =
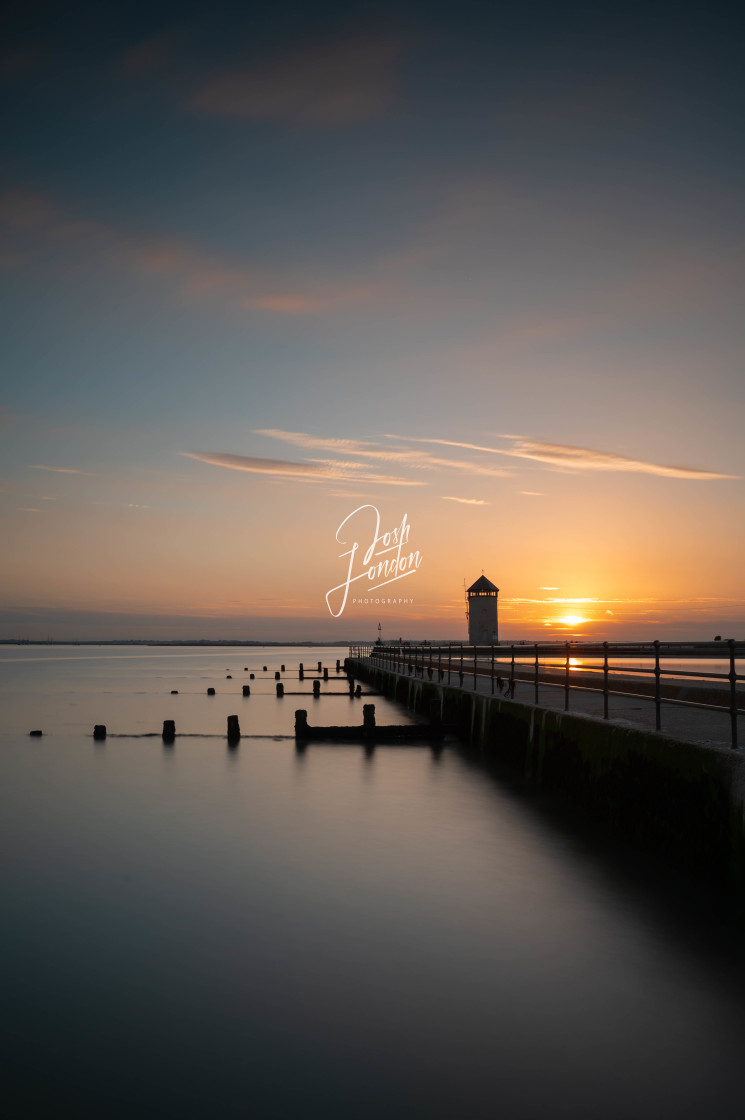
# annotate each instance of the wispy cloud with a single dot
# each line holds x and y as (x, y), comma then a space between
(465, 501)
(57, 470)
(318, 471)
(401, 456)
(322, 85)
(36, 232)
(569, 457)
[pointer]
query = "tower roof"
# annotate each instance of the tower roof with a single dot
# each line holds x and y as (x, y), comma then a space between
(482, 584)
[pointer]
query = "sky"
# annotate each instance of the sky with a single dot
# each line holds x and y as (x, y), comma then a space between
(472, 269)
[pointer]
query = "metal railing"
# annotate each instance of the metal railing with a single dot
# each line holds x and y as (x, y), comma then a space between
(540, 664)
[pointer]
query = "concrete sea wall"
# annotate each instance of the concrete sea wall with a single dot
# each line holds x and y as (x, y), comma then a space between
(681, 799)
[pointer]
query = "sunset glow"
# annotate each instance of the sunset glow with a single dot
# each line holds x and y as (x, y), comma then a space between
(436, 298)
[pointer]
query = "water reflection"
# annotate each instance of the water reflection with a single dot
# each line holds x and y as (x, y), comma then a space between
(290, 928)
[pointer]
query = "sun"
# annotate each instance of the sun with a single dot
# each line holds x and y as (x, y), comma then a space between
(572, 620)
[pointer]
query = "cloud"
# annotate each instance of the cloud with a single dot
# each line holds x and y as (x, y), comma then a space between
(322, 85)
(57, 470)
(465, 501)
(34, 230)
(567, 456)
(318, 471)
(533, 493)
(402, 456)
(584, 458)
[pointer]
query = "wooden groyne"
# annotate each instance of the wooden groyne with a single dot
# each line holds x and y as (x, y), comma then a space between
(681, 799)
(369, 731)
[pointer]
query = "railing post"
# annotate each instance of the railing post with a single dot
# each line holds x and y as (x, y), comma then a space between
(460, 669)
(733, 692)
(450, 659)
(439, 663)
(536, 673)
(566, 682)
(512, 673)
(605, 681)
(475, 663)
(657, 704)
(492, 668)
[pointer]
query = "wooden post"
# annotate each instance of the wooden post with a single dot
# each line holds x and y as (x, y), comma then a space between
(657, 704)
(301, 724)
(316, 689)
(210, 692)
(234, 730)
(247, 690)
(368, 718)
(566, 682)
(280, 688)
(605, 681)
(169, 730)
(99, 731)
(733, 692)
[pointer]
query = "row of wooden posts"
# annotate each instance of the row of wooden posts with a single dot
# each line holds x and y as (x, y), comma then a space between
(234, 731)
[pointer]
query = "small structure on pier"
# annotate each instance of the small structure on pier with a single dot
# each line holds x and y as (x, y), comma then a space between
(483, 626)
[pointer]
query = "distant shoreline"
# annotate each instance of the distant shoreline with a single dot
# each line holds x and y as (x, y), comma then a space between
(221, 643)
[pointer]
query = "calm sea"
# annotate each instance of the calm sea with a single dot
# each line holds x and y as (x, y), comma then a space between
(197, 932)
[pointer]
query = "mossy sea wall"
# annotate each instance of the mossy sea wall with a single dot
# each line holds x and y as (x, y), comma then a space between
(684, 800)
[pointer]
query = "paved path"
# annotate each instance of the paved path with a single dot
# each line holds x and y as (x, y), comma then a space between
(690, 724)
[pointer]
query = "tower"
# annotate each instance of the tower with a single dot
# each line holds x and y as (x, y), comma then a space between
(482, 612)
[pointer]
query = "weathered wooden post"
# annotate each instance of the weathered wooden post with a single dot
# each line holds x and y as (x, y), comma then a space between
(733, 692)
(276, 676)
(251, 676)
(358, 690)
(263, 668)
(320, 666)
(338, 665)
(99, 731)
(210, 692)
(234, 730)
(247, 690)
(282, 668)
(316, 689)
(325, 673)
(605, 681)
(280, 688)
(300, 673)
(368, 719)
(174, 692)
(169, 730)
(657, 704)
(301, 724)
